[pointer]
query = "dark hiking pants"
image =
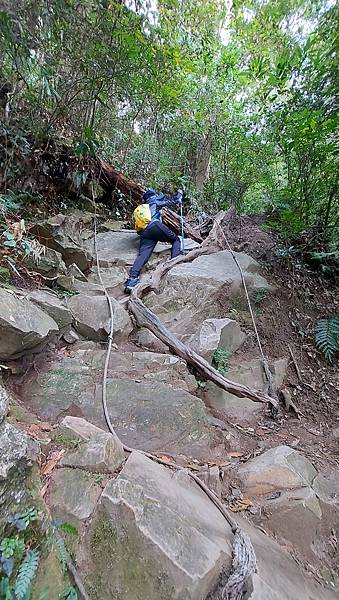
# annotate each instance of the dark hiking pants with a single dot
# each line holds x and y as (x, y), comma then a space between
(154, 232)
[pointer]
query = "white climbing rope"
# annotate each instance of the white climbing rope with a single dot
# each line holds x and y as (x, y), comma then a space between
(244, 559)
(263, 358)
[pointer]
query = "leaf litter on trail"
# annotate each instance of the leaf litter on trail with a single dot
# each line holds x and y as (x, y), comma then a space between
(241, 505)
(54, 457)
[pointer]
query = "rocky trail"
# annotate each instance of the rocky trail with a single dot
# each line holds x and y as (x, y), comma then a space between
(143, 529)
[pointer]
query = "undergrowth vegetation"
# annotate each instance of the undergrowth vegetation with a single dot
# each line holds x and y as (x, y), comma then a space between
(27, 540)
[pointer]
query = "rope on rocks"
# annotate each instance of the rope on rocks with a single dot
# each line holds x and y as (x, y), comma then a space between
(263, 358)
(244, 560)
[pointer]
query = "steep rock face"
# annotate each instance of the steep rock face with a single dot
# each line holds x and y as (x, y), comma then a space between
(200, 290)
(147, 398)
(120, 248)
(22, 325)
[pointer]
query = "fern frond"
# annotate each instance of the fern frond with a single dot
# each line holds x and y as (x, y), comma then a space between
(26, 574)
(327, 337)
(61, 550)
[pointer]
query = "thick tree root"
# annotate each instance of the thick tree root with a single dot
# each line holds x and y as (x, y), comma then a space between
(146, 318)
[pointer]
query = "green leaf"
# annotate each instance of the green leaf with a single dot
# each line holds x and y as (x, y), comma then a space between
(26, 574)
(327, 337)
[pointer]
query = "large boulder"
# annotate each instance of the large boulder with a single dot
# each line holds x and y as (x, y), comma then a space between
(92, 317)
(156, 417)
(217, 334)
(53, 306)
(251, 374)
(22, 325)
(49, 264)
(62, 233)
(92, 448)
(162, 524)
(155, 534)
(277, 469)
(112, 277)
(284, 483)
(202, 289)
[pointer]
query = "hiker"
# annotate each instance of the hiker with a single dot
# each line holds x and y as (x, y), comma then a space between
(147, 222)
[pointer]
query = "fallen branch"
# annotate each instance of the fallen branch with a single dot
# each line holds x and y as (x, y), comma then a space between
(295, 363)
(146, 318)
(112, 180)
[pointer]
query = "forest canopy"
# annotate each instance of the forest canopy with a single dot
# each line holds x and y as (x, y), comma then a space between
(234, 100)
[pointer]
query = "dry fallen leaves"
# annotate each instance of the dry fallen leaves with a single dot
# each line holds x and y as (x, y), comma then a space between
(235, 454)
(241, 505)
(52, 461)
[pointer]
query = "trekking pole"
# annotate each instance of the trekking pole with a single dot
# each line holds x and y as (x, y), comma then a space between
(182, 231)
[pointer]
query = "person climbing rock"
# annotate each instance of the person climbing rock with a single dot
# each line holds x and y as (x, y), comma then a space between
(147, 223)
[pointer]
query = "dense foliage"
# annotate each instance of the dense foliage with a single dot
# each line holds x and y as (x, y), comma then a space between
(236, 100)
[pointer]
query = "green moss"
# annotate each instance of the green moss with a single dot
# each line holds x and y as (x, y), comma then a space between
(120, 569)
(68, 441)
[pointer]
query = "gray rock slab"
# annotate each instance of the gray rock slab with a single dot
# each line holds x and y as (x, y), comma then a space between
(92, 317)
(326, 486)
(147, 339)
(53, 306)
(282, 482)
(22, 325)
(215, 334)
(73, 495)
(73, 384)
(158, 418)
(278, 576)
(161, 523)
(95, 449)
(202, 289)
(280, 468)
(251, 374)
(121, 248)
(112, 277)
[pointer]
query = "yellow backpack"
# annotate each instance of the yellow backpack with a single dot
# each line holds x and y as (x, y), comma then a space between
(141, 217)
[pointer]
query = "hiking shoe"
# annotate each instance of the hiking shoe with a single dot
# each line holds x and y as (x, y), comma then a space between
(131, 283)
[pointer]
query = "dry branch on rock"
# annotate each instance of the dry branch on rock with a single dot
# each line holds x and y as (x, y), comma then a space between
(146, 318)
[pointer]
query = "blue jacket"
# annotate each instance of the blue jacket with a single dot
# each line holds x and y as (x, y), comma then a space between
(159, 201)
